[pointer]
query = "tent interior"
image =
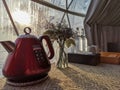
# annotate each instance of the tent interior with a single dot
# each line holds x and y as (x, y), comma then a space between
(102, 24)
(93, 52)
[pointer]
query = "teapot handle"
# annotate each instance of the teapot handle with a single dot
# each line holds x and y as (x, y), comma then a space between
(47, 39)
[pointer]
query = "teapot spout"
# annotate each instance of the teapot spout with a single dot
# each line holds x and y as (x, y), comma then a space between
(8, 45)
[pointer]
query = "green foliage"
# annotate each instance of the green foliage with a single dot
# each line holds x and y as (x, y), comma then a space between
(64, 37)
(69, 42)
(51, 34)
(61, 33)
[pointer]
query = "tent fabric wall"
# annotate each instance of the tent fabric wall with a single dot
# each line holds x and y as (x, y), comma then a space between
(102, 23)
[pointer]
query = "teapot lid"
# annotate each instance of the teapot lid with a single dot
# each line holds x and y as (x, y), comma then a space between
(27, 31)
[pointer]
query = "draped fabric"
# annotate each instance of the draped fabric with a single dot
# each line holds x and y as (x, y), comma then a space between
(102, 23)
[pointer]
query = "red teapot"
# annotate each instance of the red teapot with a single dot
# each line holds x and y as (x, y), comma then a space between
(27, 59)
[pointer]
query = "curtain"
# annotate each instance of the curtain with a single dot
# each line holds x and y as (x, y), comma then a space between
(102, 23)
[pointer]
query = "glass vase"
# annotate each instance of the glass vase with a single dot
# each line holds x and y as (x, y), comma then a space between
(63, 58)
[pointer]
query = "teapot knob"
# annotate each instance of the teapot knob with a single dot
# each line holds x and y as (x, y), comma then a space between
(27, 30)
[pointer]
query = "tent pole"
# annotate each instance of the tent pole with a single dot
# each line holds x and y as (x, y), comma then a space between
(45, 3)
(11, 19)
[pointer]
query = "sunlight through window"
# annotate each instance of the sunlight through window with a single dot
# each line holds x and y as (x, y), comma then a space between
(21, 17)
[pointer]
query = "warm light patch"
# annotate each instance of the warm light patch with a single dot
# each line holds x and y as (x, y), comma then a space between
(21, 17)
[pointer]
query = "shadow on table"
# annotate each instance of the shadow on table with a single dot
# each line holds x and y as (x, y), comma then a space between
(49, 84)
(82, 80)
(101, 69)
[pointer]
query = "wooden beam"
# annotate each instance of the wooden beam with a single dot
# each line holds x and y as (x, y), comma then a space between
(58, 8)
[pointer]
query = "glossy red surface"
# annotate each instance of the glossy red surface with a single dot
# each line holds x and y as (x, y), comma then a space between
(28, 59)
